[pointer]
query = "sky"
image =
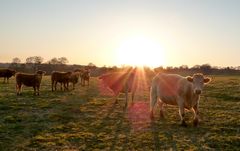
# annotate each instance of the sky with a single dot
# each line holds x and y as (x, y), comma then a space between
(117, 32)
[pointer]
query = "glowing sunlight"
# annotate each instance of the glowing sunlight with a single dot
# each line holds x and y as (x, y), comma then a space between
(140, 51)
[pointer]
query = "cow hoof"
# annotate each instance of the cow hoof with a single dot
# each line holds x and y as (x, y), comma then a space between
(195, 122)
(184, 124)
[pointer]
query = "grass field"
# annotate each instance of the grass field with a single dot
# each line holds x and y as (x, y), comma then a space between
(88, 119)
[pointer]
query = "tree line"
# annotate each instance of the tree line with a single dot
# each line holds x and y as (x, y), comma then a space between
(39, 60)
(35, 63)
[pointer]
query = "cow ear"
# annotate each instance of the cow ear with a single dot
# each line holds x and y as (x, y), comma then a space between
(207, 80)
(190, 79)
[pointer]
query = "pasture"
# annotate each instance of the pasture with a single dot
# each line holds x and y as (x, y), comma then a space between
(88, 119)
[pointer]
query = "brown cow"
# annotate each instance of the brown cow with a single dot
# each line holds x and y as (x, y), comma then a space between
(183, 92)
(74, 78)
(62, 78)
(6, 74)
(85, 76)
(30, 80)
(121, 82)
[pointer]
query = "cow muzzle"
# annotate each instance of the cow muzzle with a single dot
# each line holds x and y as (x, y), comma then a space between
(198, 91)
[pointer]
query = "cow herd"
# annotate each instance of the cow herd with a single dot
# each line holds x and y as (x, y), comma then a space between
(171, 89)
(34, 79)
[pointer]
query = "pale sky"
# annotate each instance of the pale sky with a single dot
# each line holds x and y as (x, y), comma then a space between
(169, 32)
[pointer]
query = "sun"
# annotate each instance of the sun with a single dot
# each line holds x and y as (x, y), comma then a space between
(140, 51)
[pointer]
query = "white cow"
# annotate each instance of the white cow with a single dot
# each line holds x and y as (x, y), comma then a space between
(183, 92)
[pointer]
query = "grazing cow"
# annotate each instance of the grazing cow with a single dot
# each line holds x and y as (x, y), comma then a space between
(30, 80)
(74, 78)
(6, 74)
(62, 78)
(121, 82)
(85, 76)
(183, 92)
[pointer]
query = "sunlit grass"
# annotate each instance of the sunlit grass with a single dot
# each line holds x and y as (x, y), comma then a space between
(84, 119)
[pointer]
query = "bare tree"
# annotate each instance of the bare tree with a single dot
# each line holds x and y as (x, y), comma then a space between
(91, 65)
(34, 61)
(16, 60)
(183, 67)
(63, 60)
(206, 68)
(38, 59)
(53, 61)
(30, 60)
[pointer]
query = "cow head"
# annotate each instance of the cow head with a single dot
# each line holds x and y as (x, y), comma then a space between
(198, 80)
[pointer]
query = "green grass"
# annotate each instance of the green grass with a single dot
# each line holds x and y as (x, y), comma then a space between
(86, 119)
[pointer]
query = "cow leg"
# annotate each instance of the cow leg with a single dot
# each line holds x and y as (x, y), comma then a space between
(52, 85)
(182, 115)
(133, 94)
(160, 104)
(34, 87)
(65, 86)
(55, 85)
(17, 89)
(196, 115)
(62, 85)
(7, 80)
(38, 87)
(126, 95)
(153, 100)
(180, 102)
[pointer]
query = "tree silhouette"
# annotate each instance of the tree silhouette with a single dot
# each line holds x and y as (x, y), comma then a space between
(63, 60)
(16, 60)
(38, 59)
(30, 60)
